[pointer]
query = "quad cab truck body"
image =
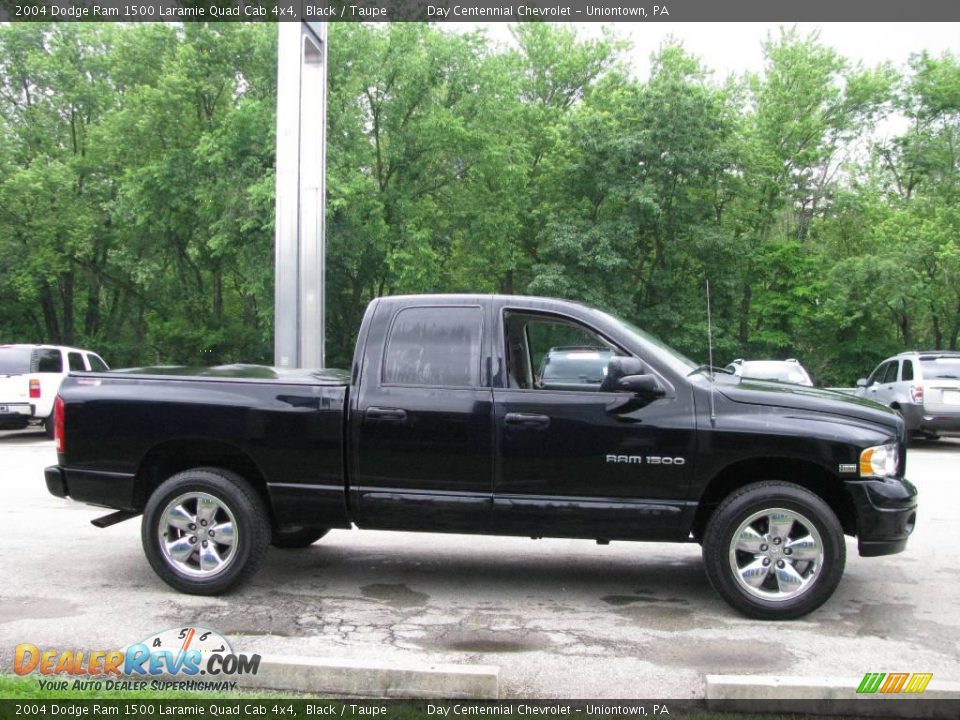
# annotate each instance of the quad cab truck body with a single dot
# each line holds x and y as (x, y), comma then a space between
(443, 424)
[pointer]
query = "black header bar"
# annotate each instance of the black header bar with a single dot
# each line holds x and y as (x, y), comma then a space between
(603, 11)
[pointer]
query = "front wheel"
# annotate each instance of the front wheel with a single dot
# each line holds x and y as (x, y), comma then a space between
(774, 551)
(205, 530)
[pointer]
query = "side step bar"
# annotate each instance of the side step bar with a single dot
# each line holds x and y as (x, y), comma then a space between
(114, 518)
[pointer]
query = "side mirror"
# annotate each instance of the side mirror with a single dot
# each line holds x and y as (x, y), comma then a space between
(862, 382)
(646, 386)
(644, 389)
(618, 368)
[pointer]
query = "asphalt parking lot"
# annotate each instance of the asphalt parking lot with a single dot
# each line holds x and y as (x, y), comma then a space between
(561, 618)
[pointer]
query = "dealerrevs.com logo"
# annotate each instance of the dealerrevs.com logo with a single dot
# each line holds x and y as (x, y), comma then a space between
(182, 654)
(893, 683)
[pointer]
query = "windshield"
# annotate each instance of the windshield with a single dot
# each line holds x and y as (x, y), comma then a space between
(680, 362)
(941, 368)
(14, 361)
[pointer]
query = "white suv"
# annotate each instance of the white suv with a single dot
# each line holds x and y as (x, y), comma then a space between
(923, 386)
(30, 377)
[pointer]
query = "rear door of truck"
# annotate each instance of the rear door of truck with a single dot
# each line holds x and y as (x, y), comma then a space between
(421, 414)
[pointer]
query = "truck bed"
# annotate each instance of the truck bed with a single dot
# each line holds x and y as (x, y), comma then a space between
(153, 421)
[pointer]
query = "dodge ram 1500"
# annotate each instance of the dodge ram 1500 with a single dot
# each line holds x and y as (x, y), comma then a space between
(444, 423)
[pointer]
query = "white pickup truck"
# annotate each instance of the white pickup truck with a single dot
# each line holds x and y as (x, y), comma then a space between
(30, 377)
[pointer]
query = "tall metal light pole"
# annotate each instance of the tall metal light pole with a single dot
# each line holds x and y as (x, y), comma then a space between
(301, 194)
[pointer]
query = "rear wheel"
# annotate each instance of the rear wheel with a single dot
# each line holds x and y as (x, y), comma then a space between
(299, 538)
(774, 550)
(205, 530)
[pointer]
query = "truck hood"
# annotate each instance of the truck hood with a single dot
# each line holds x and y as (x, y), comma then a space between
(799, 397)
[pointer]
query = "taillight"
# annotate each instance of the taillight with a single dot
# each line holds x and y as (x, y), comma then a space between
(34, 388)
(59, 413)
(916, 393)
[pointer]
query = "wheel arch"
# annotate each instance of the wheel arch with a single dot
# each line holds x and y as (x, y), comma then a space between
(172, 456)
(804, 473)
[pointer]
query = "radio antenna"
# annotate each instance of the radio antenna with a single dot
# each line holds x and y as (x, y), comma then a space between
(713, 410)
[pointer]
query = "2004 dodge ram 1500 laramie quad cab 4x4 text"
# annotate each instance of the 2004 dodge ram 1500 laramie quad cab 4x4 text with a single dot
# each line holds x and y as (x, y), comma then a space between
(448, 422)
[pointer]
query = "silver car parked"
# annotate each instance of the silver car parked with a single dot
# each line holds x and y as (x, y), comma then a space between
(787, 371)
(923, 386)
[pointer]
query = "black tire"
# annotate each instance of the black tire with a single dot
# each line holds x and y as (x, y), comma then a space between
(49, 426)
(235, 500)
(299, 538)
(822, 575)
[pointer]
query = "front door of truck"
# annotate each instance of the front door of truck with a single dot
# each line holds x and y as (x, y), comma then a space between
(571, 460)
(422, 450)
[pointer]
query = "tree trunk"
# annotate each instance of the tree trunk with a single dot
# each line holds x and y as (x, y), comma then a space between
(743, 333)
(506, 283)
(68, 331)
(91, 317)
(49, 315)
(218, 294)
(937, 332)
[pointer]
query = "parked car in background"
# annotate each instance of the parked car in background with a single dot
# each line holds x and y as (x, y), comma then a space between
(923, 386)
(788, 371)
(30, 377)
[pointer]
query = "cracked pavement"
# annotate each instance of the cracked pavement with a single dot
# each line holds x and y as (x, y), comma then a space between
(562, 618)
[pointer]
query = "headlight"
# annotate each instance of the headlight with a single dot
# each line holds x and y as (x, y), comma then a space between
(880, 461)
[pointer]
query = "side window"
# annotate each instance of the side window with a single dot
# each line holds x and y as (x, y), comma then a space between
(437, 346)
(877, 375)
(906, 372)
(96, 364)
(554, 354)
(76, 361)
(891, 374)
(49, 361)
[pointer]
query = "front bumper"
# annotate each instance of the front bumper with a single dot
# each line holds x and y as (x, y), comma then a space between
(886, 514)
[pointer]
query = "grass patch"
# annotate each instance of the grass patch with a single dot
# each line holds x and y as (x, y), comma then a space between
(28, 688)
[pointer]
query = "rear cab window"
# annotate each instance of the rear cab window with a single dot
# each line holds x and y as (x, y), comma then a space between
(435, 347)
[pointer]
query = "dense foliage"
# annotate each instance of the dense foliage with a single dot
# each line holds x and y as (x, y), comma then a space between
(136, 189)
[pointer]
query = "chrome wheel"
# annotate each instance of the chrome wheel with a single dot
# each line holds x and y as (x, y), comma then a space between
(776, 554)
(198, 535)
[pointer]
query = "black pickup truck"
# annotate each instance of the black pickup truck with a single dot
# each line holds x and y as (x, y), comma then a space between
(448, 422)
